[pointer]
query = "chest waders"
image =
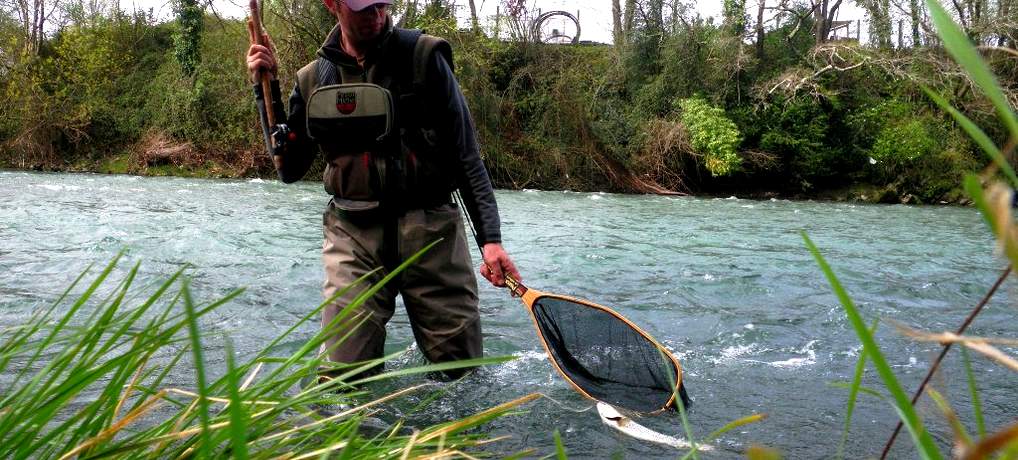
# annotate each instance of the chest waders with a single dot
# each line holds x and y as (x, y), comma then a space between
(378, 114)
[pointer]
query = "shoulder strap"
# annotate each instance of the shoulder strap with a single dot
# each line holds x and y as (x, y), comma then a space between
(307, 79)
(326, 72)
(425, 47)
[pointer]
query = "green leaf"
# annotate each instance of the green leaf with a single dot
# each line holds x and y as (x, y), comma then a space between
(560, 449)
(199, 368)
(238, 415)
(977, 405)
(853, 393)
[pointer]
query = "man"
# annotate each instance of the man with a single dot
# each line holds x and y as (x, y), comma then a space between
(391, 194)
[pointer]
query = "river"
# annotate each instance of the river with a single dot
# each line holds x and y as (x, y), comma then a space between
(727, 284)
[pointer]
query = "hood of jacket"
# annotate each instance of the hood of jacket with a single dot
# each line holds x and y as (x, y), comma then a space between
(332, 48)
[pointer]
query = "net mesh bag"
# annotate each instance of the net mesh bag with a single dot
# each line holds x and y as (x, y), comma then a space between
(606, 357)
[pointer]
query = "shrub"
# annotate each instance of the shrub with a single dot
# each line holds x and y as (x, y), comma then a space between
(905, 141)
(711, 134)
(702, 59)
(802, 133)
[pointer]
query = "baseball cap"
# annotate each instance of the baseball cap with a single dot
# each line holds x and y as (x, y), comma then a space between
(358, 5)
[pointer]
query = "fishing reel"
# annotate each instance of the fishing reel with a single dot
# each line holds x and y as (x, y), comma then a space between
(281, 136)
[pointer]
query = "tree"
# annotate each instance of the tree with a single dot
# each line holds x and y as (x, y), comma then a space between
(734, 12)
(760, 30)
(880, 21)
(475, 27)
(630, 17)
(915, 11)
(824, 13)
(187, 42)
(32, 17)
(617, 23)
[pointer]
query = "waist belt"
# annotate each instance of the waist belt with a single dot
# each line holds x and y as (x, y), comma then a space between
(375, 213)
(356, 209)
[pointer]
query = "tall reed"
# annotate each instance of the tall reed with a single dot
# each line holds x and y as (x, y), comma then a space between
(992, 194)
(90, 377)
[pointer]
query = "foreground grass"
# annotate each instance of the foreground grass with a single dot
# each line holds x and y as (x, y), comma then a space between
(992, 194)
(87, 377)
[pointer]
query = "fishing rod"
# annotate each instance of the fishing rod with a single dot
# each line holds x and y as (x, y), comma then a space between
(257, 36)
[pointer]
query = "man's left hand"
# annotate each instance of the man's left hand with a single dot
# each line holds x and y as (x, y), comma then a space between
(497, 265)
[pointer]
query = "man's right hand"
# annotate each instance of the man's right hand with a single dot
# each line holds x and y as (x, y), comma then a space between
(261, 59)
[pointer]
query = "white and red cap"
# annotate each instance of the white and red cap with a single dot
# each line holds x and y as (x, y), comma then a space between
(358, 5)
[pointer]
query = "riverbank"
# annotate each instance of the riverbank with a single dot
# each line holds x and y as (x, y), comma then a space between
(690, 111)
(257, 165)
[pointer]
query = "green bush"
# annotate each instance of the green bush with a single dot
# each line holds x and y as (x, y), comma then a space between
(711, 134)
(905, 141)
(801, 133)
(702, 59)
(922, 156)
(867, 122)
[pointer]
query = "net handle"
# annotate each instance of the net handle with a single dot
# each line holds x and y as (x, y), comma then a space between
(516, 288)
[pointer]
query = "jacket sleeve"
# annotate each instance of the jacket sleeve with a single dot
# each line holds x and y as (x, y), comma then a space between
(297, 155)
(456, 128)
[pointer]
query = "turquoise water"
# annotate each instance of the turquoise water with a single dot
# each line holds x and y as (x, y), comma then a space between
(727, 284)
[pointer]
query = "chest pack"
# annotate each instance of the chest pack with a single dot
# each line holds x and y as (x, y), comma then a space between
(380, 111)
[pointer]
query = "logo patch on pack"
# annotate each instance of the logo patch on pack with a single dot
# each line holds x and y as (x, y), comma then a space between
(346, 102)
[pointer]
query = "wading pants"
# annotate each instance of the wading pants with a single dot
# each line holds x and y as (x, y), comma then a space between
(439, 290)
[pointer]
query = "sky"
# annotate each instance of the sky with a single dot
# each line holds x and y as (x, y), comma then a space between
(594, 15)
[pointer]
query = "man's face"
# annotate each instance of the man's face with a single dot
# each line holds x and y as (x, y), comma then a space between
(363, 25)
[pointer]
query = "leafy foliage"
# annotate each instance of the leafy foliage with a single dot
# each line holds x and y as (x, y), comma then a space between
(711, 134)
(801, 133)
(187, 40)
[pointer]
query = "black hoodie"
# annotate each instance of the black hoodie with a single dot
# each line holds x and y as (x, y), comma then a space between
(446, 107)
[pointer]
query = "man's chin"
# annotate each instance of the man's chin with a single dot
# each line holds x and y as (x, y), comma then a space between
(370, 33)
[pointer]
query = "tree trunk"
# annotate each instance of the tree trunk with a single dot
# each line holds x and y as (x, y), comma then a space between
(656, 18)
(821, 28)
(33, 15)
(473, 18)
(760, 30)
(915, 13)
(675, 16)
(1005, 10)
(630, 18)
(617, 36)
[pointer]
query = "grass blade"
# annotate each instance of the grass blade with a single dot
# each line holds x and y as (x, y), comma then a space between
(1004, 439)
(923, 441)
(199, 368)
(735, 424)
(238, 415)
(960, 433)
(853, 393)
(560, 448)
(977, 405)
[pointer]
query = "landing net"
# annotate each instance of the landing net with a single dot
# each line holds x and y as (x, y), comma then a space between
(606, 357)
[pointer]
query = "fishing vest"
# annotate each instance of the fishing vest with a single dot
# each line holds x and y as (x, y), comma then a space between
(406, 168)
